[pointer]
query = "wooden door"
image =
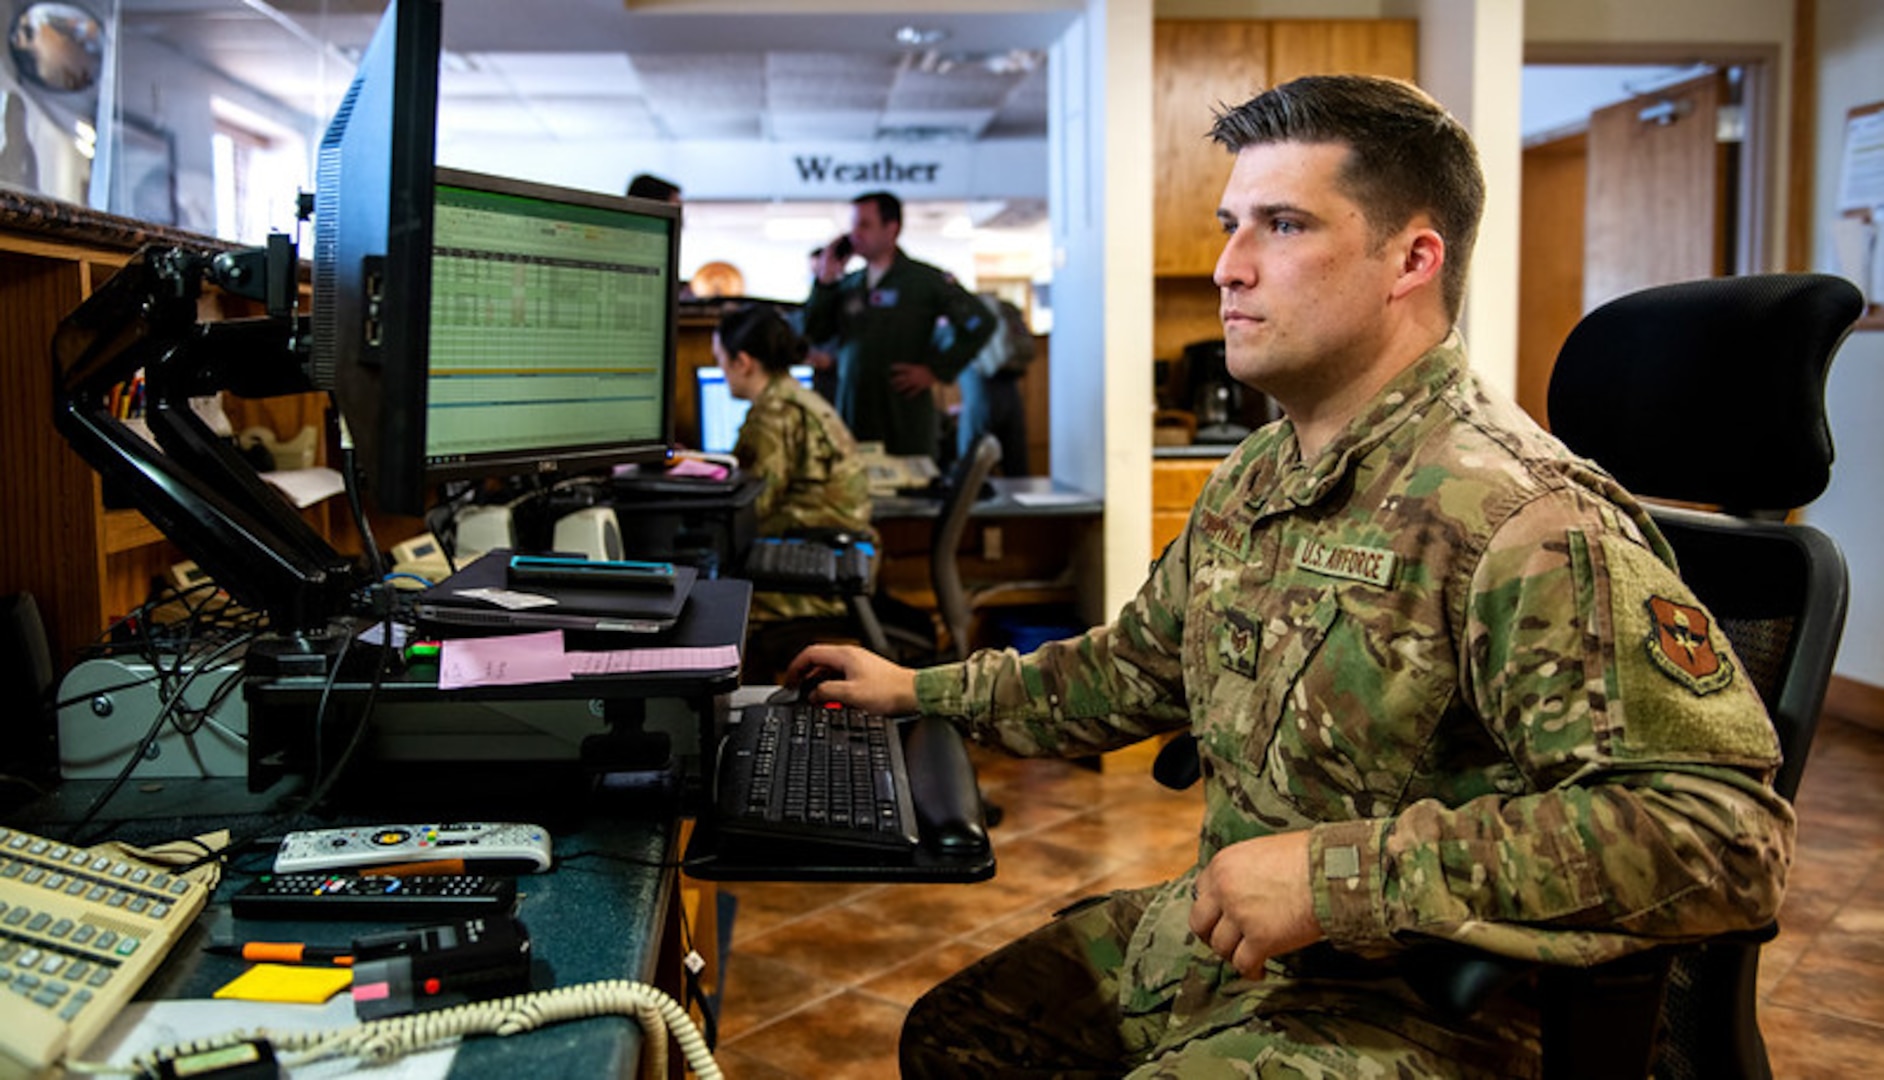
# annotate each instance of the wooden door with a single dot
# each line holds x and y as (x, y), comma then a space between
(1550, 261)
(1657, 201)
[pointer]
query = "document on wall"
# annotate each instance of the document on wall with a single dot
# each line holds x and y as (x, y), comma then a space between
(1861, 174)
(1855, 247)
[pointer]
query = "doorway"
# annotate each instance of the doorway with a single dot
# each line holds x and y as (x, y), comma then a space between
(1635, 174)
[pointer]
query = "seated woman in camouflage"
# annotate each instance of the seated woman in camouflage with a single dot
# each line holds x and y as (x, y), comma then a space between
(794, 440)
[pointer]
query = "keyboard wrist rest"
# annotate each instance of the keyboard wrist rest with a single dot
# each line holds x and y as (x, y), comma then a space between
(943, 787)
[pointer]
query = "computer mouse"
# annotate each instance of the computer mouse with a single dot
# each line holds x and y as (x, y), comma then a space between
(793, 695)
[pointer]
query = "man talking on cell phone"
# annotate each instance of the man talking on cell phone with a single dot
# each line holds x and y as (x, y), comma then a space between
(885, 317)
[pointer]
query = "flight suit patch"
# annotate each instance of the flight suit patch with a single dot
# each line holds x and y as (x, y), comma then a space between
(1680, 644)
(883, 297)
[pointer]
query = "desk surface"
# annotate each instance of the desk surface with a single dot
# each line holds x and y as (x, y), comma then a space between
(598, 915)
(1014, 497)
(601, 913)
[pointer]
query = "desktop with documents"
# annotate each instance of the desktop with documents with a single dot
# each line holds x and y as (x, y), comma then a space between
(469, 327)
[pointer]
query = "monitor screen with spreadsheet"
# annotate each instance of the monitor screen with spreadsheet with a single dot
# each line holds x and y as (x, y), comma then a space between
(720, 412)
(553, 323)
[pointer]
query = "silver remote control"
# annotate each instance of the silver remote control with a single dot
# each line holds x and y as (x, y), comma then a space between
(483, 847)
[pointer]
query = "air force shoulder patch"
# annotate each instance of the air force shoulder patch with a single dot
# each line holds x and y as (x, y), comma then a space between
(1680, 642)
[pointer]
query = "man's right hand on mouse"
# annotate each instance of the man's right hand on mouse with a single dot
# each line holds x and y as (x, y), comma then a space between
(856, 677)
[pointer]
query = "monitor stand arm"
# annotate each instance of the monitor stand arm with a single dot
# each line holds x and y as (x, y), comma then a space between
(193, 486)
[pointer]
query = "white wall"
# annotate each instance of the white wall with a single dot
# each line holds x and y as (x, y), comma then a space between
(1851, 54)
(173, 92)
(1471, 58)
(1100, 192)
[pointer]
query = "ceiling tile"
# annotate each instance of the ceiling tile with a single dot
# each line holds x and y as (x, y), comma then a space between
(489, 117)
(593, 118)
(812, 125)
(564, 73)
(962, 88)
(922, 124)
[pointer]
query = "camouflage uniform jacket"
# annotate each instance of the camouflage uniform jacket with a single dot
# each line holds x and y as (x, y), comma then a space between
(1459, 656)
(793, 439)
(894, 322)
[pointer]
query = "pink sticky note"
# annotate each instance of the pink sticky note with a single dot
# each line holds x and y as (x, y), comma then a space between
(696, 467)
(505, 660)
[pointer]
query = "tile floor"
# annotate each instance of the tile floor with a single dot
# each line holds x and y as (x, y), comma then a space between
(819, 976)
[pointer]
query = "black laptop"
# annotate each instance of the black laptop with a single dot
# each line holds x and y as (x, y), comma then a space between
(481, 599)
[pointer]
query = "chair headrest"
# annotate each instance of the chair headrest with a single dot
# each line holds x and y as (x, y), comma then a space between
(1708, 391)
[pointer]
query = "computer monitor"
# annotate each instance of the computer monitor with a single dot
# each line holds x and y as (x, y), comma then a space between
(720, 412)
(373, 250)
(553, 326)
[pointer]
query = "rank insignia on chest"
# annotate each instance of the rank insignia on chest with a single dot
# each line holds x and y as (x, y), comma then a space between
(1372, 565)
(1681, 645)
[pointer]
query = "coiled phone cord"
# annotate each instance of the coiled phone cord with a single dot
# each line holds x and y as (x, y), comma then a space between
(395, 1036)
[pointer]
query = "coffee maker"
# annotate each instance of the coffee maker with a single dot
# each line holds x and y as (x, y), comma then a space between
(1226, 410)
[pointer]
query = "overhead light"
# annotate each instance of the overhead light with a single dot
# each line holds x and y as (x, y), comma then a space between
(917, 37)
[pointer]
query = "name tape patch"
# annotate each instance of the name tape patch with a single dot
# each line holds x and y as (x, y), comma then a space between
(1373, 565)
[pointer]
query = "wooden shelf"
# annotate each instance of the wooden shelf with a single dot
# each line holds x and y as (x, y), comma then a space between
(128, 529)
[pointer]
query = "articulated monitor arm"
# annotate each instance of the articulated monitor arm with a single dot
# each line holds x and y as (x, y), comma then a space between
(203, 495)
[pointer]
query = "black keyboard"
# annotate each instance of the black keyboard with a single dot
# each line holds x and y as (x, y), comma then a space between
(823, 774)
(808, 564)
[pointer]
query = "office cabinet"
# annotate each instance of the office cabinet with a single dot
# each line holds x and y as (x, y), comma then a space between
(1175, 484)
(1199, 65)
(84, 564)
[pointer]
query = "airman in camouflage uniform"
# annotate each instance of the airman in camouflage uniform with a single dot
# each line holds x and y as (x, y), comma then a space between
(814, 479)
(1445, 681)
(793, 440)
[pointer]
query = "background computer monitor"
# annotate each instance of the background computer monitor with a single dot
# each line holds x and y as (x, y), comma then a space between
(553, 326)
(720, 412)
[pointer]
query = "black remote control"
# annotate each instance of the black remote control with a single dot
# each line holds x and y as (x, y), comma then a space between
(377, 897)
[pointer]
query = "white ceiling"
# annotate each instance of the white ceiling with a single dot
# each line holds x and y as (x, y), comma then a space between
(579, 69)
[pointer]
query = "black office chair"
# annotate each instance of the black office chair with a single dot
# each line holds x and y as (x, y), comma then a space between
(1742, 362)
(956, 599)
(945, 575)
(29, 756)
(1706, 392)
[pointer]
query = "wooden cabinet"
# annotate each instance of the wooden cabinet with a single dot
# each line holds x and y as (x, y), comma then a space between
(1199, 65)
(1175, 483)
(84, 564)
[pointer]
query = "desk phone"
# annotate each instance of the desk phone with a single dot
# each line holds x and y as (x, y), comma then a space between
(80, 932)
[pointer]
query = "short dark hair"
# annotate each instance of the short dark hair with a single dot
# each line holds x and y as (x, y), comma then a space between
(1406, 155)
(761, 332)
(649, 186)
(889, 207)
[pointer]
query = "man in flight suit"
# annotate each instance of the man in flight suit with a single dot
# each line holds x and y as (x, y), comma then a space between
(1444, 678)
(885, 319)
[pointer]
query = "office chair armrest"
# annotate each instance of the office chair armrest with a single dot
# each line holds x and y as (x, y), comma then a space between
(1176, 765)
(1456, 980)
(1602, 1020)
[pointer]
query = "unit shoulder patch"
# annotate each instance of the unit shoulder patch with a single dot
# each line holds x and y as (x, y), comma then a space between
(1680, 642)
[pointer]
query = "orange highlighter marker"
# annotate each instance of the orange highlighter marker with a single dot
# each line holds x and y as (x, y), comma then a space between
(431, 867)
(285, 952)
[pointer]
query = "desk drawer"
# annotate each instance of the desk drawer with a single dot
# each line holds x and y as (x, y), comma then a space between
(1175, 484)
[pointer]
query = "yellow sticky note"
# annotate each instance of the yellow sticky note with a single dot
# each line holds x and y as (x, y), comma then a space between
(295, 983)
